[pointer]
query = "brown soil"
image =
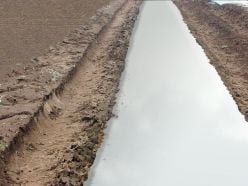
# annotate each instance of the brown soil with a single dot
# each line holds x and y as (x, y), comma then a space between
(62, 131)
(29, 27)
(222, 31)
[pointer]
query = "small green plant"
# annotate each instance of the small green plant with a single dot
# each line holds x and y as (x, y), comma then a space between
(2, 145)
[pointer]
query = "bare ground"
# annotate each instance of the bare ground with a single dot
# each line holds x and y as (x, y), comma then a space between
(29, 27)
(222, 31)
(23, 93)
(60, 146)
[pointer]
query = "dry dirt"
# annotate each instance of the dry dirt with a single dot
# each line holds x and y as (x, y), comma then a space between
(58, 143)
(222, 31)
(29, 27)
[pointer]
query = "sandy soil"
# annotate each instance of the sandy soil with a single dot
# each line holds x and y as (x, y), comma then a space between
(29, 27)
(222, 31)
(58, 138)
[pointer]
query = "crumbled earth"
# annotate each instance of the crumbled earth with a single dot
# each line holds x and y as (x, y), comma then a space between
(51, 134)
(222, 31)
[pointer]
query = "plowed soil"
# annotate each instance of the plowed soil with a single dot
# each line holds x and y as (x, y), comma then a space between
(61, 145)
(222, 31)
(29, 27)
